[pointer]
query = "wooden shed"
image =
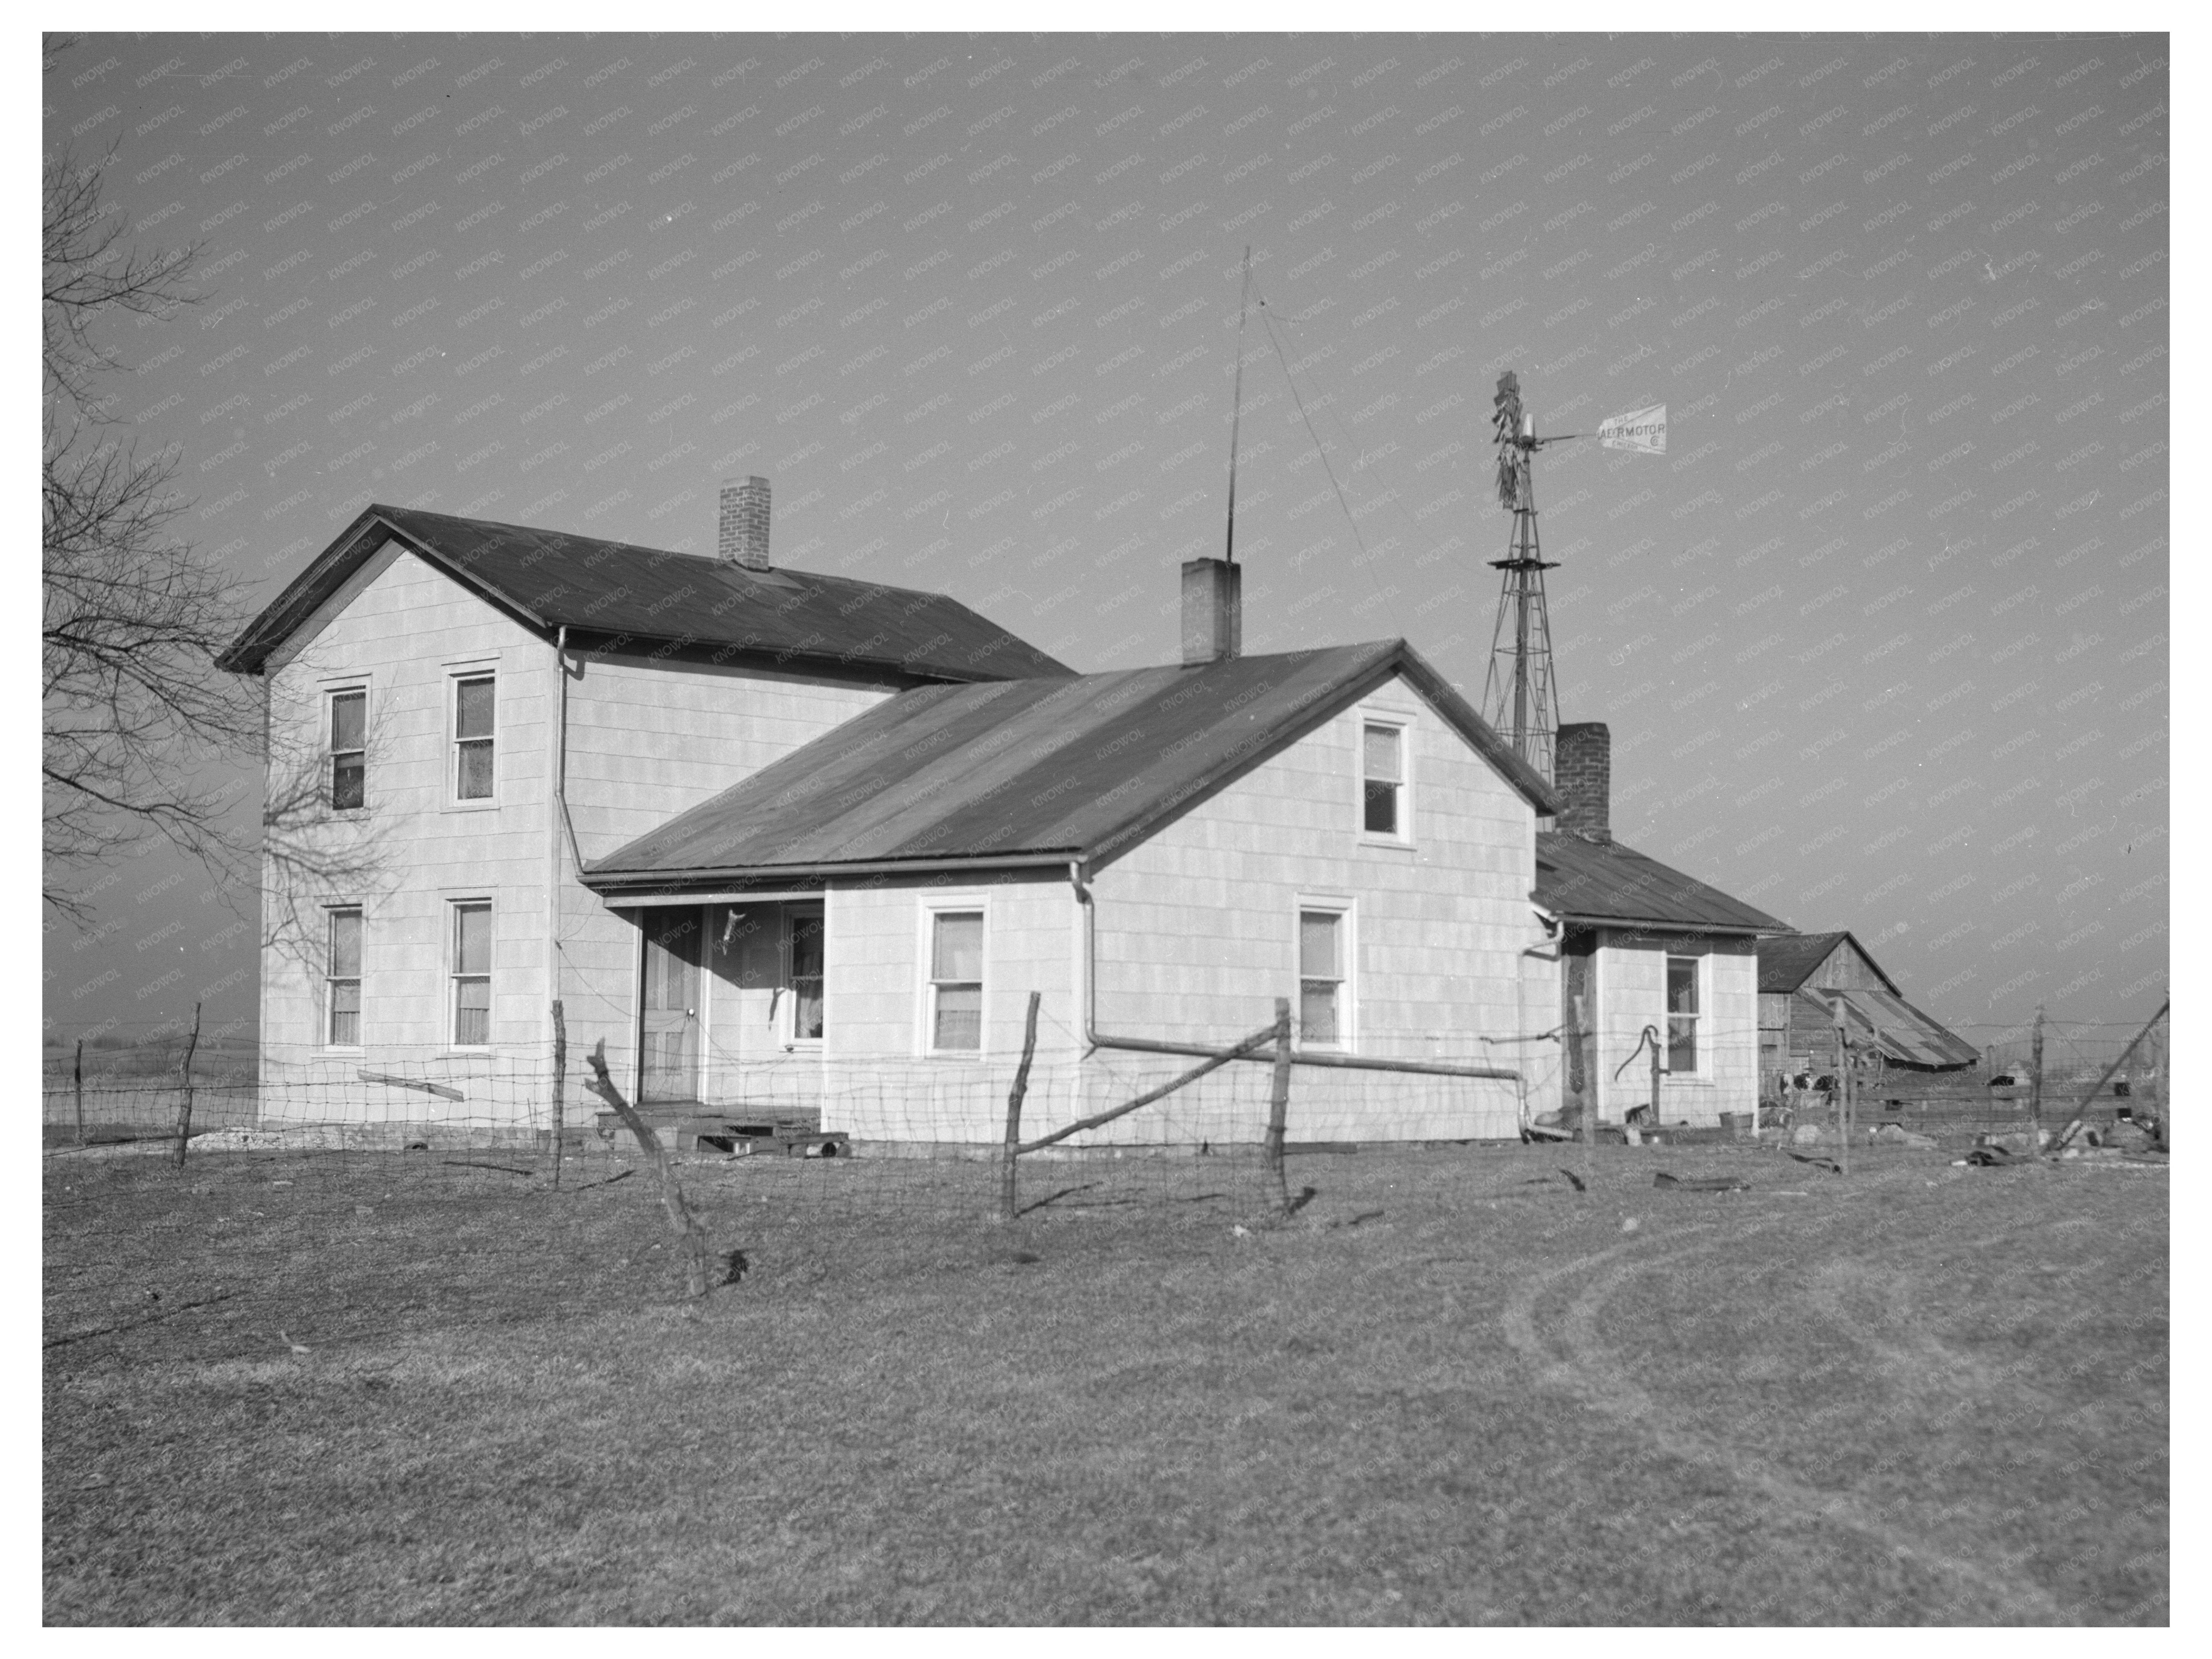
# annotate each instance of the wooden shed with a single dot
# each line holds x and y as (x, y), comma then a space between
(1801, 978)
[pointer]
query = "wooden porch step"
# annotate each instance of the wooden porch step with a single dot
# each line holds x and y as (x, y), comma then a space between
(785, 1129)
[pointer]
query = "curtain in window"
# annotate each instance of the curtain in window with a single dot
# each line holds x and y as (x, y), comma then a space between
(473, 736)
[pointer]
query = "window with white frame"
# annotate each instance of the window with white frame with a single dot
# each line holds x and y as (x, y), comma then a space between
(342, 979)
(1324, 988)
(473, 707)
(955, 982)
(805, 957)
(471, 973)
(1382, 780)
(1684, 1006)
(349, 748)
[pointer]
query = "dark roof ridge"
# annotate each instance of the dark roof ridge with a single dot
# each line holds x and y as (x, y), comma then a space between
(617, 595)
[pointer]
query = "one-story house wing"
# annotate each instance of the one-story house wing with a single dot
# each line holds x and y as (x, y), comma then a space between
(1656, 960)
(1158, 852)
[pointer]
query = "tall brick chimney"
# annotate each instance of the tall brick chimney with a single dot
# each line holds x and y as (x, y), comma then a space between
(1213, 612)
(1582, 773)
(743, 536)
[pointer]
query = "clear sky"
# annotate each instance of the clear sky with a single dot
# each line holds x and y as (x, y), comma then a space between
(1881, 638)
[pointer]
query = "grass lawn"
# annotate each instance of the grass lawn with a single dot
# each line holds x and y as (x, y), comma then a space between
(1451, 1390)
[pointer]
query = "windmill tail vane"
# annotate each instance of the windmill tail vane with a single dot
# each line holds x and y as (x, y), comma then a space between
(1643, 430)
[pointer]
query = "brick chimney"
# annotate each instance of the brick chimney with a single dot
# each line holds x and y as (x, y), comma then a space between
(1582, 773)
(1213, 612)
(743, 538)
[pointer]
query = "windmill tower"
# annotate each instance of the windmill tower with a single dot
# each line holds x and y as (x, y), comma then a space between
(1520, 698)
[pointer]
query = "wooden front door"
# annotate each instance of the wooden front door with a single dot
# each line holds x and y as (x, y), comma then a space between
(668, 1007)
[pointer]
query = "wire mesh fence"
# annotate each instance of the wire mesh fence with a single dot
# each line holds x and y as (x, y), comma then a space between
(246, 1099)
(309, 1198)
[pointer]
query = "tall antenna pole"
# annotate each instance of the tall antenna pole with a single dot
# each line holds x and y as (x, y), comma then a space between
(1237, 410)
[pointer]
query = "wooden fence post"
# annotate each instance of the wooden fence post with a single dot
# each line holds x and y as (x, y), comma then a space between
(2156, 1079)
(1586, 1042)
(681, 1221)
(2035, 1084)
(1008, 1192)
(560, 1078)
(1880, 1073)
(1843, 1102)
(80, 1092)
(184, 1110)
(1278, 1105)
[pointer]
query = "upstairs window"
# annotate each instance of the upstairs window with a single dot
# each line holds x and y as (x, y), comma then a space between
(1322, 1012)
(349, 750)
(472, 737)
(1682, 1013)
(956, 982)
(341, 979)
(472, 975)
(806, 976)
(1383, 770)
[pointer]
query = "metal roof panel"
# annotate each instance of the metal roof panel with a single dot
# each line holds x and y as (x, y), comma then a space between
(1904, 1033)
(1608, 882)
(1080, 766)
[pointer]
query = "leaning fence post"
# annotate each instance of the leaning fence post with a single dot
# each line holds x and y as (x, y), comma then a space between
(1278, 1105)
(684, 1225)
(2035, 1083)
(80, 1092)
(2096, 1088)
(1007, 1192)
(560, 1075)
(184, 1111)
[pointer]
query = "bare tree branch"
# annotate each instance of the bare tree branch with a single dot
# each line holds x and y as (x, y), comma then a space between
(139, 721)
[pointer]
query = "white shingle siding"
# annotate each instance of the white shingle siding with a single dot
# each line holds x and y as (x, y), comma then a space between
(646, 739)
(403, 630)
(1632, 994)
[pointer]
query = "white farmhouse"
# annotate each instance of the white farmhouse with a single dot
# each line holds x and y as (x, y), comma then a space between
(787, 843)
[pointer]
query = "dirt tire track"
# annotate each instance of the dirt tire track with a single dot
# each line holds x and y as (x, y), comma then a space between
(1581, 1367)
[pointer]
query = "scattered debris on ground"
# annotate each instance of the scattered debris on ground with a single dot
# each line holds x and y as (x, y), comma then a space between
(1703, 1183)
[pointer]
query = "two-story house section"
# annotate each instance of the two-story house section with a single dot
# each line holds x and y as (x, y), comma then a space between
(462, 713)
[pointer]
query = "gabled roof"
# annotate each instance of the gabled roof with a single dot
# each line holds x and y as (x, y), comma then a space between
(1787, 963)
(615, 595)
(1028, 771)
(1905, 1034)
(1606, 883)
